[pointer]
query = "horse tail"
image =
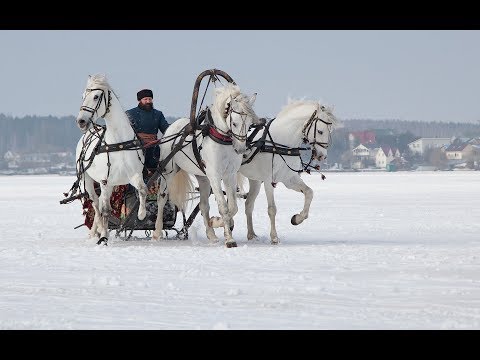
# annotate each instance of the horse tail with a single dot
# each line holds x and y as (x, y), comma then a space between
(180, 188)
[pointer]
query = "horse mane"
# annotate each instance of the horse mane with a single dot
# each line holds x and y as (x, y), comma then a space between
(222, 94)
(99, 81)
(316, 105)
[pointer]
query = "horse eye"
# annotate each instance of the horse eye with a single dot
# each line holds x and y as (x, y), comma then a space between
(95, 97)
(234, 124)
(320, 132)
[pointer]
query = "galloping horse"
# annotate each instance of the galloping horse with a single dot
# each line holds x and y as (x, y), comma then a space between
(221, 151)
(109, 155)
(278, 157)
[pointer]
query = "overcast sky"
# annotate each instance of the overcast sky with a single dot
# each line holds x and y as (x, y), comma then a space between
(378, 74)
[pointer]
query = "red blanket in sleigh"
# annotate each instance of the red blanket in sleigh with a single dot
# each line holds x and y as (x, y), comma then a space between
(116, 202)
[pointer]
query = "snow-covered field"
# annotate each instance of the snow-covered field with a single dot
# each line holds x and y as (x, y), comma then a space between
(379, 251)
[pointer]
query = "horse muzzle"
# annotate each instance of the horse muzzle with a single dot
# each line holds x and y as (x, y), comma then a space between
(240, 148)
(83, 124)
(319, 155)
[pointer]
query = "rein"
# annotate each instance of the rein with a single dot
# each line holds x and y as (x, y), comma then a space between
(80, 166)
(148, 140)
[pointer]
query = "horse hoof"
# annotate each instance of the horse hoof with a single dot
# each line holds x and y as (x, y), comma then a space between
(157, 237)
(231, 227)
(231, 244)
(102, 239)
(274, 242)
(296, 219)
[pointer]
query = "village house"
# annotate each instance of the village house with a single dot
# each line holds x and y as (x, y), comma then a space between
(419, 146)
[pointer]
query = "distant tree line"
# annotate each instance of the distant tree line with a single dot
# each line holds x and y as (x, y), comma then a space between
(418, 128)
(55, 134)
(40, 134)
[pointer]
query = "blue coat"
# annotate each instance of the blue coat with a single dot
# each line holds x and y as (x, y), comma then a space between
(147, 121)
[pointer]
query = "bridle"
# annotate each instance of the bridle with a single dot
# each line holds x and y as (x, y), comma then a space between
(228, 114)
(312, 122)
(108, 103)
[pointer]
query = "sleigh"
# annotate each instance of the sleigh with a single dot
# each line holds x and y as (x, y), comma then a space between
(122, 202)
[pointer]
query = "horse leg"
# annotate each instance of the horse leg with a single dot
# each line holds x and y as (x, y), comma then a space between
(90, 189)
(204, 187)
(231, 191)
(272, 211)
(297, 184)
(254, 189)
(105, 211)
(97, 219)
(161, 200)
(223, 209)
(137, 182)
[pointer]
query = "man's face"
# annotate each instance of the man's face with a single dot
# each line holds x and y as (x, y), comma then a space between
(146, 103)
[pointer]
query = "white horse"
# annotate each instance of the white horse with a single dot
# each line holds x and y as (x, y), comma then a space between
(299, 122)
(109, 155)
(221, 151)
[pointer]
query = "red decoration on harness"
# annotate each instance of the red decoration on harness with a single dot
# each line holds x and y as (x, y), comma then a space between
(213, 132)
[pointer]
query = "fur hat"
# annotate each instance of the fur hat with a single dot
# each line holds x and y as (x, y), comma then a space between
(144, 93)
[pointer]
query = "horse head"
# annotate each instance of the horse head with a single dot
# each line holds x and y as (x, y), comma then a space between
(96, 101)
(317, 131)
(234, 115)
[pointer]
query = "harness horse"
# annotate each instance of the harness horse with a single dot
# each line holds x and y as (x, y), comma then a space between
(110, 155)
(274, 156)
(222, 142)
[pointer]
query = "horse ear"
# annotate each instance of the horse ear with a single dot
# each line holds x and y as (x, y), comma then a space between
(252, 98)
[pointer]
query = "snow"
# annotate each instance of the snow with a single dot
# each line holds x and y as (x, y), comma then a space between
(378, 251)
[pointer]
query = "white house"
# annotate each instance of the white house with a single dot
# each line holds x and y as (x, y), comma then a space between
(380, 158)
(12, 159)
(419, 146)
(361, 150)
(458, 151)
(361, 156)
(10, 155)
(385, 155)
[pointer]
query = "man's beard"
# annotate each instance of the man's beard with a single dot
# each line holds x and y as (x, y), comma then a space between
(146, 107)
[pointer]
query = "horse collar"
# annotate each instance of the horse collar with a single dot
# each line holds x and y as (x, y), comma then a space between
(218, 137)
